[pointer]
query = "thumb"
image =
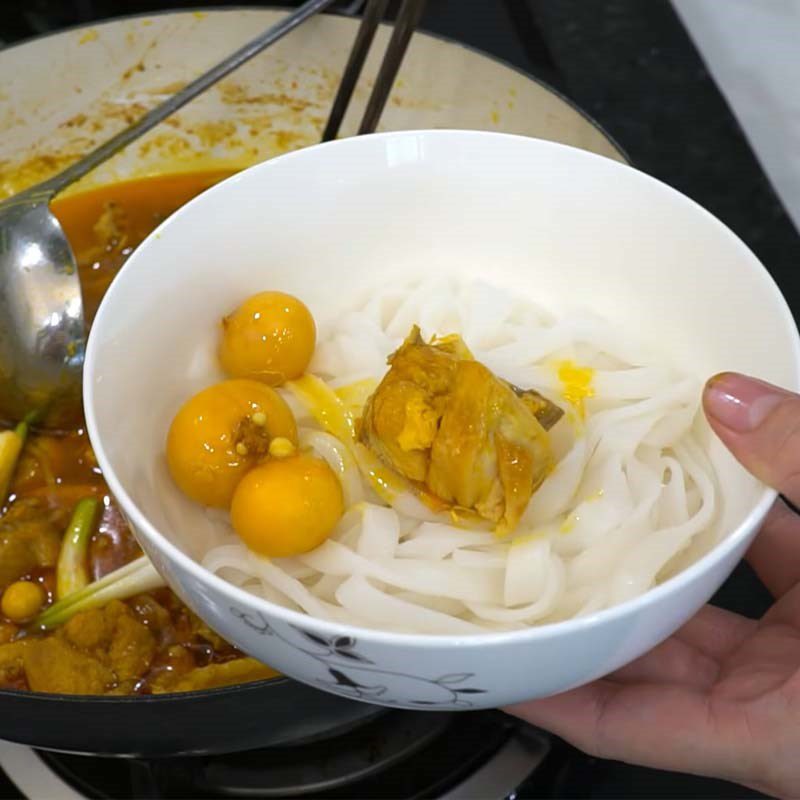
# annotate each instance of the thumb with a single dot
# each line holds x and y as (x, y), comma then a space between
(760, 425)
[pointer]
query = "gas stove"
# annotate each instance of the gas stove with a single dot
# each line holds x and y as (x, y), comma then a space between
(398, 755)
(401, 755)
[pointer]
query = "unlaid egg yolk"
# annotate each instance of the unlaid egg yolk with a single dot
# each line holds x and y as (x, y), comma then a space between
(270, 338)
(22, 601)
(287, 506)
(220, 433)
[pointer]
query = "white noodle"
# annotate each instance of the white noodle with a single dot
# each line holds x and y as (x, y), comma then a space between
(357, 594)
(339, 460)
(632, 499)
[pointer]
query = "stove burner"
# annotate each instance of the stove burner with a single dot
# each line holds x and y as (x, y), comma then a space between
(400, 754)
(330, 765)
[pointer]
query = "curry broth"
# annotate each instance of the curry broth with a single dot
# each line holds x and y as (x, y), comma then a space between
(104, 225)
(167, 648)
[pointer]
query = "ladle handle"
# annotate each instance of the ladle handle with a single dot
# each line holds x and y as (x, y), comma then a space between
(57, 183)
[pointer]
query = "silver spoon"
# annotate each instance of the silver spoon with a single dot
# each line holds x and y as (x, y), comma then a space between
(42, 331)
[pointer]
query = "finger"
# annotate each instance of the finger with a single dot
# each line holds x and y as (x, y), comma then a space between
(760, 425)
(775, 552)
(672, 662)
(787, 613)
(691, 656)
(664, 727)
(716, 632)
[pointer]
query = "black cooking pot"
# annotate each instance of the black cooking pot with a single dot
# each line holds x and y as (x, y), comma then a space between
(232, 719)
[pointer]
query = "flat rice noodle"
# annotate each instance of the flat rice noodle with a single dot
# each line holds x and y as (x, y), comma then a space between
(705, 540)
(624, 438)
(416, 305)
(380, 533)
(382, 305)
(607, 502)
(551, 593)
(589, 523)
(597, 601)
(643, 480)
(434, 540)
(605, 478)
(453, 608)
(235, 556)
(554, 495)
(357, 594)
(672, 427)
(527, 565)
(235, 576)
(339, 458)
(484, 310)
(294, 568)
(325, 587)
(672, 507)
(595, 563)
(637, 383)
(600, 423)
(275, 577)
(638, 570)
(442, 578)
(494, 558)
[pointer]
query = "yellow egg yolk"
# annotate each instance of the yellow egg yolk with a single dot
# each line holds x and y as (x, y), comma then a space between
(287, 506)
(270, 337)
(22, 601)
(220, 433)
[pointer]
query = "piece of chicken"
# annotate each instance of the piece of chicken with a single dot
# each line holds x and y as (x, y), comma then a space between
(442, 419)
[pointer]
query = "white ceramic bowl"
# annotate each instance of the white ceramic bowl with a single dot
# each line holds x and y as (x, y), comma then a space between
(558, 224)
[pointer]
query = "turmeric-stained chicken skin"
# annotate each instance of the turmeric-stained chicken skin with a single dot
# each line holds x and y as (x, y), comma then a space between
(442, 419)
(122, 648)
(30, 537)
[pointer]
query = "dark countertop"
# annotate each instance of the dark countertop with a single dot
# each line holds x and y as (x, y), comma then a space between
(631, 65)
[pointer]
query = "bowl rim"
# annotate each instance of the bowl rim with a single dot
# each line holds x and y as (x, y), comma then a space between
(235, 594)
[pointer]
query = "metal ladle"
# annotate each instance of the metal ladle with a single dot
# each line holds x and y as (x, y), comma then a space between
(42, 330)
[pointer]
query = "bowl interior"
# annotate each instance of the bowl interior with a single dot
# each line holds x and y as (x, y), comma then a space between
(566, 228)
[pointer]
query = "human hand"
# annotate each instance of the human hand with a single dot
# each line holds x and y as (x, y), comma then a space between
(721, 697)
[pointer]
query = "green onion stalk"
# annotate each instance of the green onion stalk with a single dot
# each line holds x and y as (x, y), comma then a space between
(72, 573)
(138, 577)
(11, 444)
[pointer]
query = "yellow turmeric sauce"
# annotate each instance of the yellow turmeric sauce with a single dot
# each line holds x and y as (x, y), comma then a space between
(576, 385)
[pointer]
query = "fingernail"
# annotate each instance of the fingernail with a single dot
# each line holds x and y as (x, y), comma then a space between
(741, 403)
